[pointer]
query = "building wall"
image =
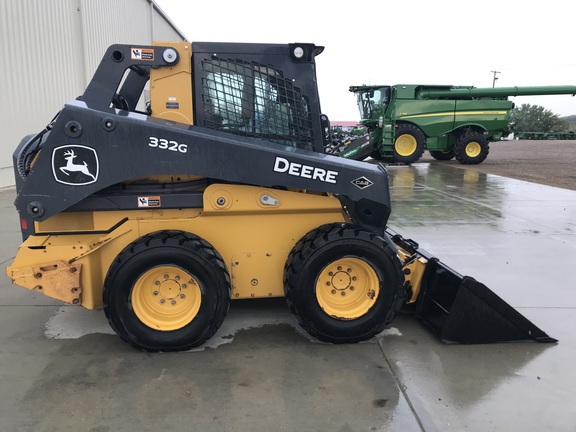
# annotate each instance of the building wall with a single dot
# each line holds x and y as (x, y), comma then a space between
(50, 50)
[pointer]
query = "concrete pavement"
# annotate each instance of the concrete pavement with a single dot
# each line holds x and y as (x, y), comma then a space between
(62, 368)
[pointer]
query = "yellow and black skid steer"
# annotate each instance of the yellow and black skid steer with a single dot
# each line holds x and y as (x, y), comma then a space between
(191, 174)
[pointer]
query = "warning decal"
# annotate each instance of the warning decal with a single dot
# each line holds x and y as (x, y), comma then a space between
(152, 201)
(142, 54)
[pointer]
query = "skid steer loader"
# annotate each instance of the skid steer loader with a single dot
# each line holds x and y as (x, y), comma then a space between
(191, 174)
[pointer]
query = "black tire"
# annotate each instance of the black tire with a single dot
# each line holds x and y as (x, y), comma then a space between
(443, 155)
(409, 143)
(376, 155)
(304, 283)
(471, 148)
(168, 291)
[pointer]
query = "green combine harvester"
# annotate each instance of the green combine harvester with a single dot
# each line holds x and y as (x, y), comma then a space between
(450, 122)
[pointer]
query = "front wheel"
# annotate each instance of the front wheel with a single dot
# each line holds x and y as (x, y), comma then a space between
(471, 148)
(343, 284)
(409, 143)
(168, 291)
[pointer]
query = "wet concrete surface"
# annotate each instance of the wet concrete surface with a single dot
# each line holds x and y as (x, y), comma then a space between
(518, 238)
(549, 162)
(62, 368)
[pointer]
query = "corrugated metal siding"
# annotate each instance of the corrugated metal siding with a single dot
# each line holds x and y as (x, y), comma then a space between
(39, 72)
(163, 30)
(107, 22)
(50, 50)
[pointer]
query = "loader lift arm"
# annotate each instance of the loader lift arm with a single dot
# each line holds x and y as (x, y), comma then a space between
(208, 154)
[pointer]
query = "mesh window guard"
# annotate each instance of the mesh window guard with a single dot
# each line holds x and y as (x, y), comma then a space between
(255, 100)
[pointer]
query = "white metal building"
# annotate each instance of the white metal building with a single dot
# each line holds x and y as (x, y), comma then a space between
(50, 50)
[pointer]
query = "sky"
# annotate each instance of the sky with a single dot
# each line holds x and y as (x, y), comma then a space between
(404, 42)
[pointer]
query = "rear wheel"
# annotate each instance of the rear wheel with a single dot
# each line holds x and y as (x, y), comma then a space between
(443, 155)
(471, 148)
(169, 291)
(409, 143)
(343, 284)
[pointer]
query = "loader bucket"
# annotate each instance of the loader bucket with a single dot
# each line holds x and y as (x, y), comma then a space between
(461, 309)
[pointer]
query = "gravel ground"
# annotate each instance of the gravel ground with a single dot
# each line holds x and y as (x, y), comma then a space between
(545, 162)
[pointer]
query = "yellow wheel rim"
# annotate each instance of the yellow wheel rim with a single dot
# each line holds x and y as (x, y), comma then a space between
(166, 298)
(347, 288)
(405, 145)
(473, 149)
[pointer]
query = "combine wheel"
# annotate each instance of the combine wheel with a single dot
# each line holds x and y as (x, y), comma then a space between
(443, 155)
(409, 144)
(471, 148)
(169, 291)
(343, 283)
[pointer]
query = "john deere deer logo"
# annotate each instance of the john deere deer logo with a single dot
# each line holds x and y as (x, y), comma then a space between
(72, 167)
(75, 165)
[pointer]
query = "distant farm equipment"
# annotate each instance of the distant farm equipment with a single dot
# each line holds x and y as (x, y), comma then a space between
(450, 122)
(566, 135)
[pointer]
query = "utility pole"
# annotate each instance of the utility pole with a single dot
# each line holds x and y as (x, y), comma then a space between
(495, 78)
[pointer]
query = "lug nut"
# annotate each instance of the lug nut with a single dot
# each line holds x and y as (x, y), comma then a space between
(343, 293)
(157, 283)
(339, 268)
(333, 291)
(162, 301)
(327, 283)
(173, 302)
(182, 296)
(166, 276)
(351, 288)
(349, 270)
(155, 292)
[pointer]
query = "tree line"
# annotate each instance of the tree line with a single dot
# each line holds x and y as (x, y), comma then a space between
(536, 118)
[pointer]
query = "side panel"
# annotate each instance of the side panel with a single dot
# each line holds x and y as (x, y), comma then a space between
(434, 117)
(253, 229)
(491, 115)
(171, 87)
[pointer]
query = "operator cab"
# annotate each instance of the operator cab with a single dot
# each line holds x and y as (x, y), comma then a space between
(371, 100)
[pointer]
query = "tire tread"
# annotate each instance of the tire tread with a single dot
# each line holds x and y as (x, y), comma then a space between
(168, 238)
(305, 247)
